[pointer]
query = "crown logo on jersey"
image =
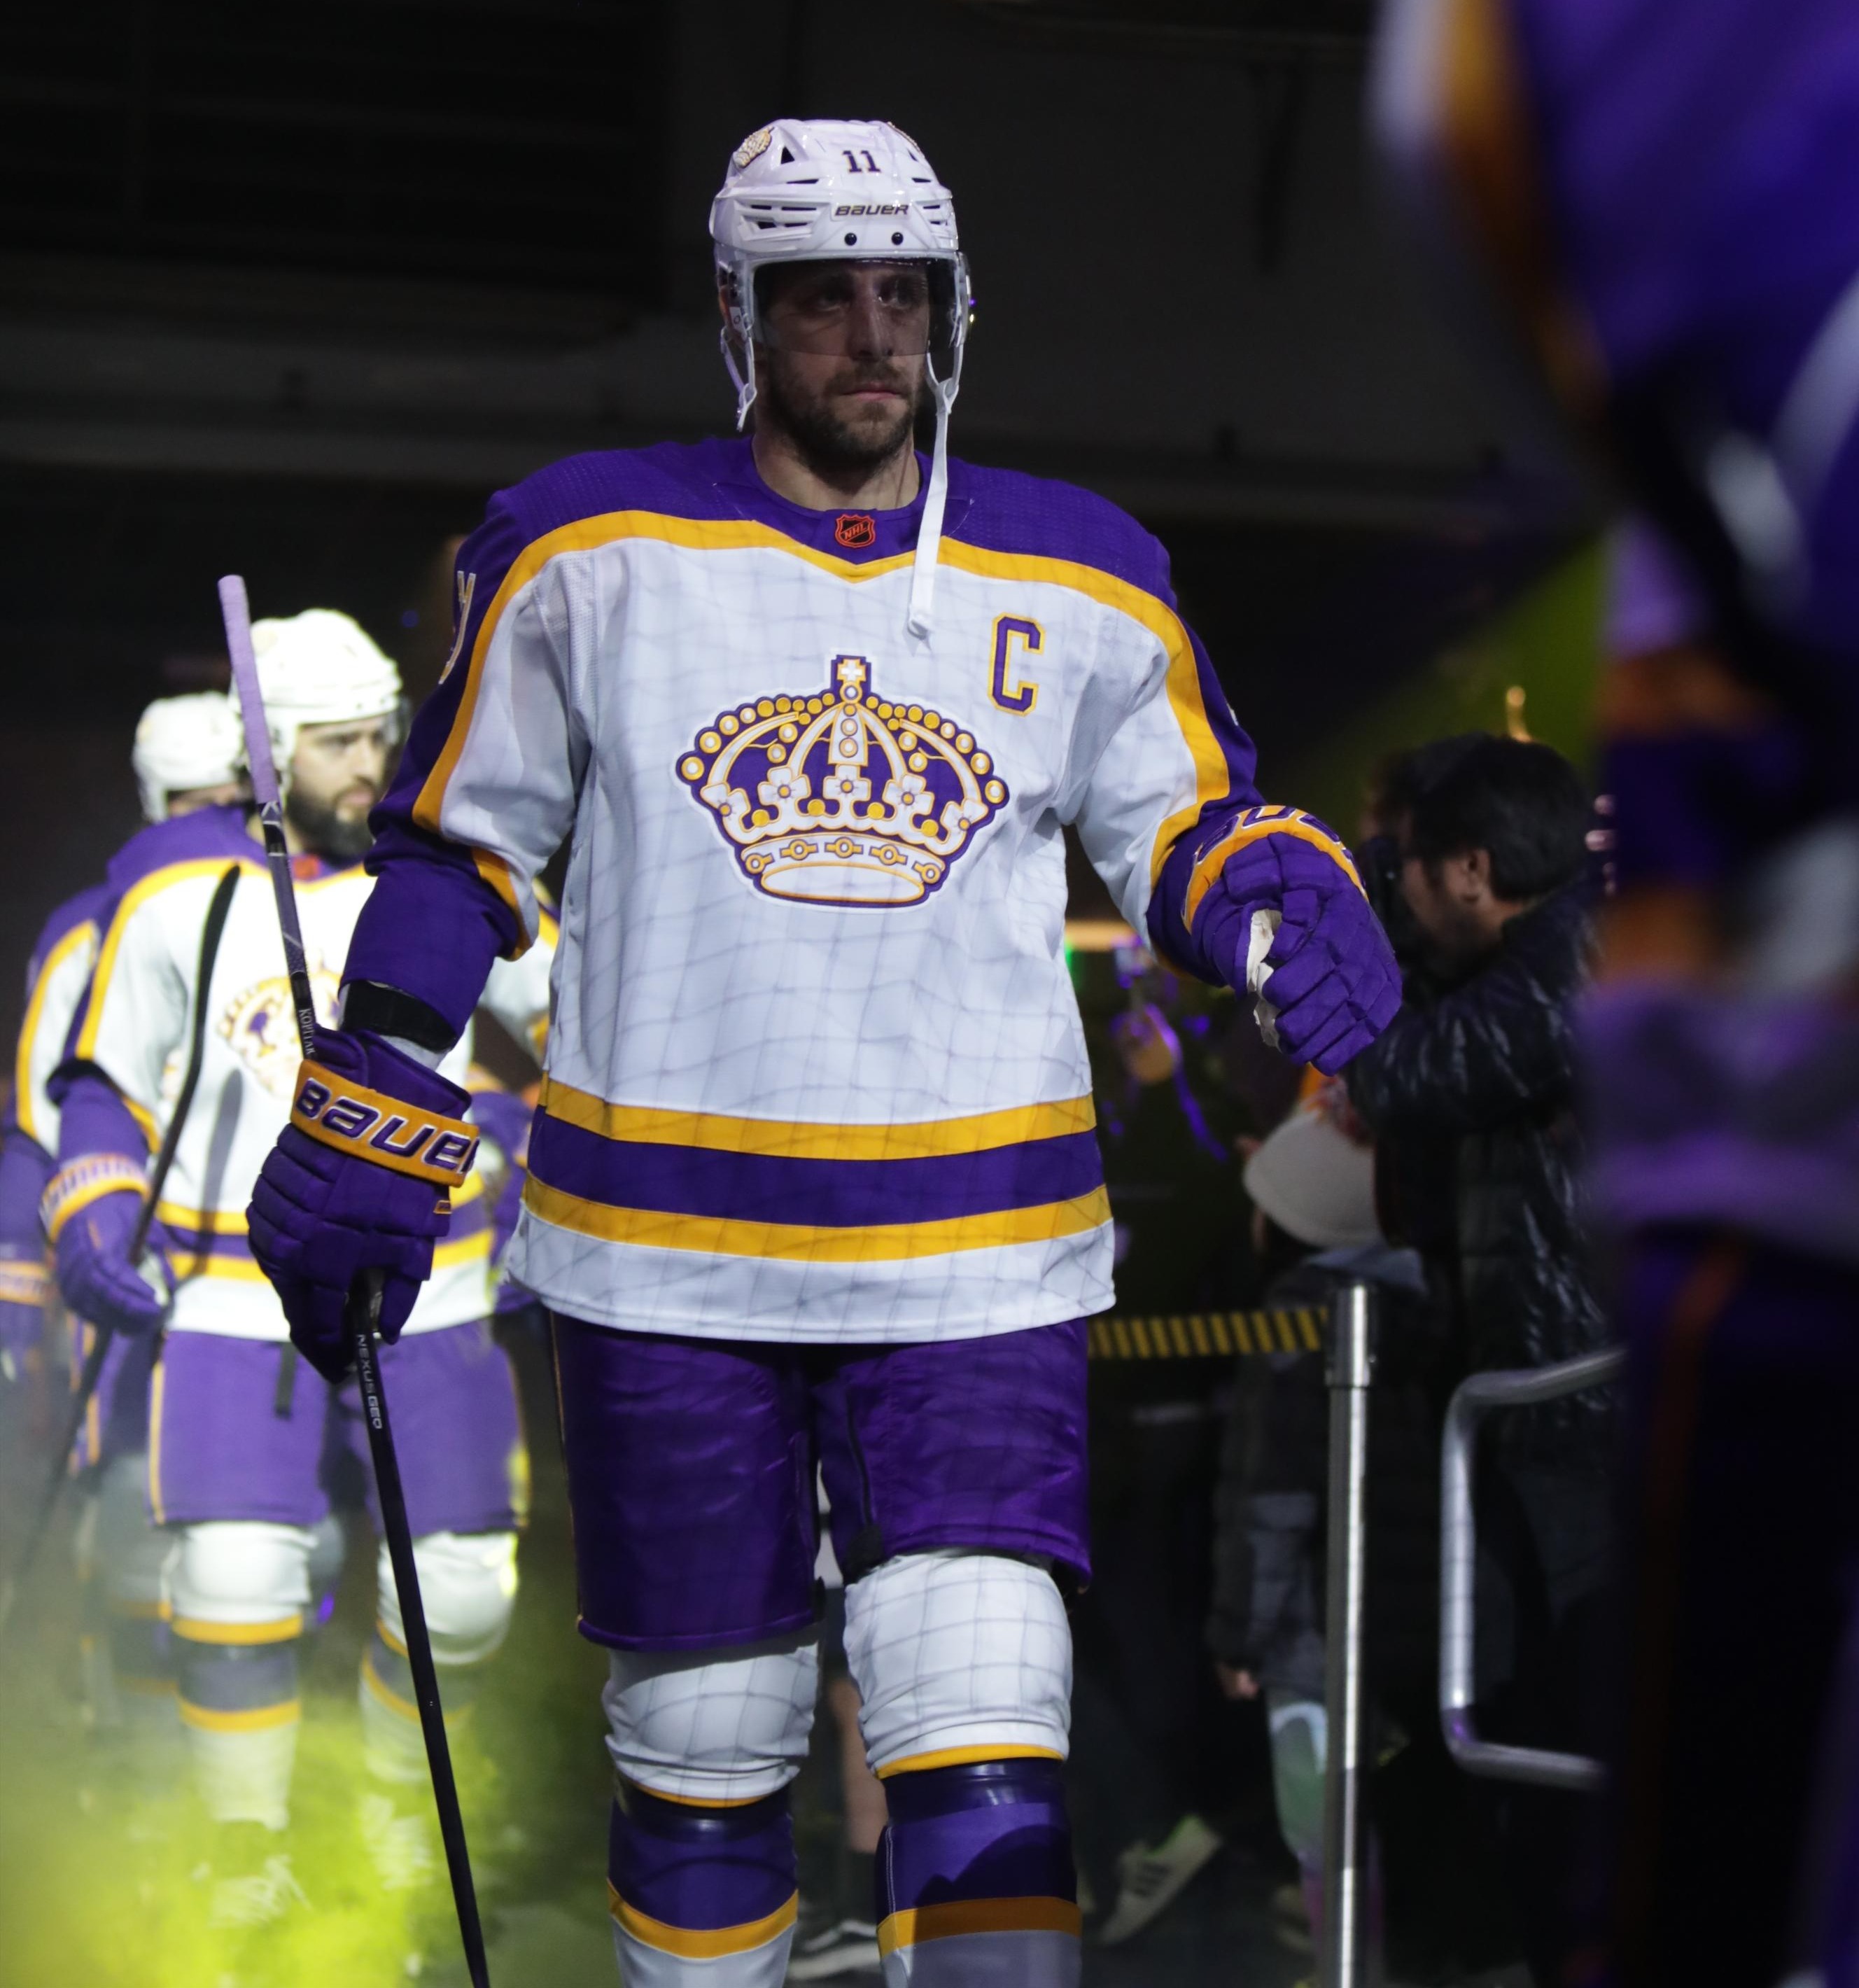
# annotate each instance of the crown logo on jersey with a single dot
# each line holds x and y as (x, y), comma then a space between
(841, 797)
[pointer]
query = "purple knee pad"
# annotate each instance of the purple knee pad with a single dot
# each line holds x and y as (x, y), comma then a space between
(990, 1830)
(698, 1869)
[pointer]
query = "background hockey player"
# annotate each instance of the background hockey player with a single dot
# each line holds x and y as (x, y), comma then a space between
(813, 1171)
(186, 756)
(238, 1433)
(1668, 222)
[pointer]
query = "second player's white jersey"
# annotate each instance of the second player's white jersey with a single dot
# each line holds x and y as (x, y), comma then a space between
(60, 971)
(136, 1028)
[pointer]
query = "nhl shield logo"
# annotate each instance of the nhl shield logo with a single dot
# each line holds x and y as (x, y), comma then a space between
(855, 529)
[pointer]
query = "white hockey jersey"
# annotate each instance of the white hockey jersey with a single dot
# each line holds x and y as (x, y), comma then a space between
(816, 1070)
(136, 1029)
(56, 980)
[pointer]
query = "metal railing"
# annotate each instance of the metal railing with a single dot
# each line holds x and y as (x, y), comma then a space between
(1351, 1375)
(1475, 1399)
(1351, 1369)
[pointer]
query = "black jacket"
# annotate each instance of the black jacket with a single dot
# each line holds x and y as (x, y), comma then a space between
(1470, 1092)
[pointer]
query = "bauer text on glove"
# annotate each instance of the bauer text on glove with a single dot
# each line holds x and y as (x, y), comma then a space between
(361, 1179)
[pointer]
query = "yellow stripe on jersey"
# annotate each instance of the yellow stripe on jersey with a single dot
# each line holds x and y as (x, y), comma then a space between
(1212, 781)
(201, 1221)
(1255, 826)
(190, 1268)
(232, 1221)
(771, 1138)
(712, 534)
(133, 899)
(82, 933)
(801, 1242)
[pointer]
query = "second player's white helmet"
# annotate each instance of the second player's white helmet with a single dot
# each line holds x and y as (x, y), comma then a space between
(822, 190)
(183, 743)
(320, 667)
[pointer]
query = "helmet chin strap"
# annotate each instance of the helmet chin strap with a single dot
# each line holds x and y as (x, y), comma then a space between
(742, 378)
(921, 618)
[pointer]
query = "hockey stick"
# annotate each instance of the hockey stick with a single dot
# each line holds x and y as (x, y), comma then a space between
(93, 1371)
(361, 1312)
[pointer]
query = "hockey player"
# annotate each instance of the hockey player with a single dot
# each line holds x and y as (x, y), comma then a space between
(813, 1171)
(238, 1434)
(185, 757)
(1666, 221)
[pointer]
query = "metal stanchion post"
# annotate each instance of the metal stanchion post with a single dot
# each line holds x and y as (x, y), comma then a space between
(1351, 1364)
(1458, 1565)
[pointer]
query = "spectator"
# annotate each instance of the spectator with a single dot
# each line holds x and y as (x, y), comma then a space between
(1471, 1094)
(1311, 1185)
(1154, 1749)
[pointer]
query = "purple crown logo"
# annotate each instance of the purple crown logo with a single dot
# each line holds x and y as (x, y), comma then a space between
(840, 797)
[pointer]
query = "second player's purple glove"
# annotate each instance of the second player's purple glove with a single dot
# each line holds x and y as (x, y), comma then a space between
(92, 1209)
(1332, 980)
(361, 1179)
(25, 1284)
(92, 1205)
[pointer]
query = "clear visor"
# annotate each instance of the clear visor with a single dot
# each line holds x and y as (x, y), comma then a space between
(861, 309)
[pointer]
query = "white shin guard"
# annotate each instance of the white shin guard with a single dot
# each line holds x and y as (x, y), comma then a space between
(958, 1654)
(706, 1727)
(238, 1589)
(467, 1584)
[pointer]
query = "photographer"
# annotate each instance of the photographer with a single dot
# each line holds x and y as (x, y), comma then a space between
(1470, 1095)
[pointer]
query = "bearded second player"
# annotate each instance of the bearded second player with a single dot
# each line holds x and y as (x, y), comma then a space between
(238, 1436)
(814, 1172)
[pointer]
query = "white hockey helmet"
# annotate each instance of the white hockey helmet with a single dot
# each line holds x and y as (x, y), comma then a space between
(821, 189)
(185, 743)
(320, 667)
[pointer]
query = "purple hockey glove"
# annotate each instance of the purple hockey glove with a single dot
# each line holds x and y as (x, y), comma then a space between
(25, 1285)
(361, 1179)
(90, 1212)
(1332, 980)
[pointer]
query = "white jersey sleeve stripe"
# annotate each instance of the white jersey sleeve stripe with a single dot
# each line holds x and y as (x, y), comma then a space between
(32, 1066)
(138, 895)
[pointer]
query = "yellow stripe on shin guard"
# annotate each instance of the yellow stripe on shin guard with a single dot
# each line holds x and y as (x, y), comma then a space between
(687, 1944)
(961, 1916)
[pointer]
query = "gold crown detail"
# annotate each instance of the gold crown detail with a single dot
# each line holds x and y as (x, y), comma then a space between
(840, 798)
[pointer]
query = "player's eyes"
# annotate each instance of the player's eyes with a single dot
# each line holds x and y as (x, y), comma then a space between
(835, 300)
(340, 744)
